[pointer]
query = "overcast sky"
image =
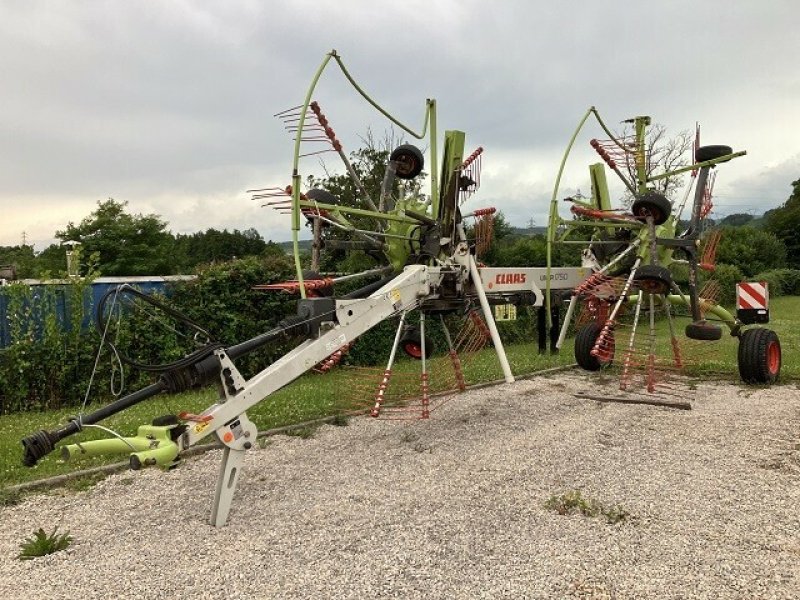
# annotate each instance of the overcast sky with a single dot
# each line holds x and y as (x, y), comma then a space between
(168, 105)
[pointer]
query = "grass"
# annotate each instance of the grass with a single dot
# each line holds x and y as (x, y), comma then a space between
(310, 397)
(720, 358)
(315, 396)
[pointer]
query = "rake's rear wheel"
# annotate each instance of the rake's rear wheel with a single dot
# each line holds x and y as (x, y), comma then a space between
(411, 343)
(585, 340)
(759, 356)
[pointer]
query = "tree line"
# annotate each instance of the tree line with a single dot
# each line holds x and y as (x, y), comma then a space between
(121, 243)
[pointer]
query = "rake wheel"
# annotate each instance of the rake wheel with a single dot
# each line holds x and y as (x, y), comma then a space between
(652, 204)
(411, 343)
(711, 152)
(703, 330)
(584, 343)
(759, 356)
(409, 161)
(654, 279)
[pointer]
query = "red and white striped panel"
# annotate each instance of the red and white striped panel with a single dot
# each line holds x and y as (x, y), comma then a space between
(752, 295)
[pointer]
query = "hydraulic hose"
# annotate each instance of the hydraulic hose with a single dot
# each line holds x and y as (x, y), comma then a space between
(201, 372)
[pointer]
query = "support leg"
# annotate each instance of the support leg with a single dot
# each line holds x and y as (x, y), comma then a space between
(567, 318)
(489, 317)
(226, 485)
(541, 328)
(453, 357)
(555, 318)
(651, 354)
(426, 399)
(625, 379)
(676, 348)
(387, 374)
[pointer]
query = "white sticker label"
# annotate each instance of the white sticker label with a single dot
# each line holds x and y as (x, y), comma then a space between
(335, 344)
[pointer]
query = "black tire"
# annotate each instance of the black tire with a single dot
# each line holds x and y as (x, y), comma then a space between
(323, 197)
(411, 343)
(759, 356)
(603, 252)
(705, 153)
(409, 161)
(654, 279)
(703, 330)
(652, 204)
(584, 342)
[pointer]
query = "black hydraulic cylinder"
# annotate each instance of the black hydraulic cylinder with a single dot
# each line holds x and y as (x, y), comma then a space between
(365, 291)
(697, 205)
(239, 350)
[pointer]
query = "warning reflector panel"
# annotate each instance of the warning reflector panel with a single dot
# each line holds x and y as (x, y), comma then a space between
(752, 302)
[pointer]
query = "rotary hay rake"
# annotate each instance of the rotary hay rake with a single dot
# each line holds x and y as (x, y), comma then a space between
(430, 267)
(634, 256)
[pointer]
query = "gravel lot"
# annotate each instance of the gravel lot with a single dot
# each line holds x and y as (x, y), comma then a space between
(454, 507)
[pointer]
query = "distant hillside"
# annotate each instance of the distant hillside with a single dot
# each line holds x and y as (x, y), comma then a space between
(528, 231)
(303, 244)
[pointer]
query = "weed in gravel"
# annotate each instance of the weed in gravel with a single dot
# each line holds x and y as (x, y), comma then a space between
(615, 514)
(340, 420)
(303, 433)
(42, 544)
(10, 497)
(409, 436)
(264, 442)
(574, 502)
(87, 482)
(126, 481)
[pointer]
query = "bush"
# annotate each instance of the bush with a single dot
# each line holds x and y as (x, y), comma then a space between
(727, 276)
(51, 354)
(752, 250)
(50, 359)
(781, 281)
(773, 280)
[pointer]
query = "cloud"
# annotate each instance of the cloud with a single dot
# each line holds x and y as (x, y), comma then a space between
(757, 192)
(169, 105)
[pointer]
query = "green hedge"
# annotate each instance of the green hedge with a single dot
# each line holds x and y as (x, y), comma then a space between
(782, 282)
(48, 363)
(49, 366)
